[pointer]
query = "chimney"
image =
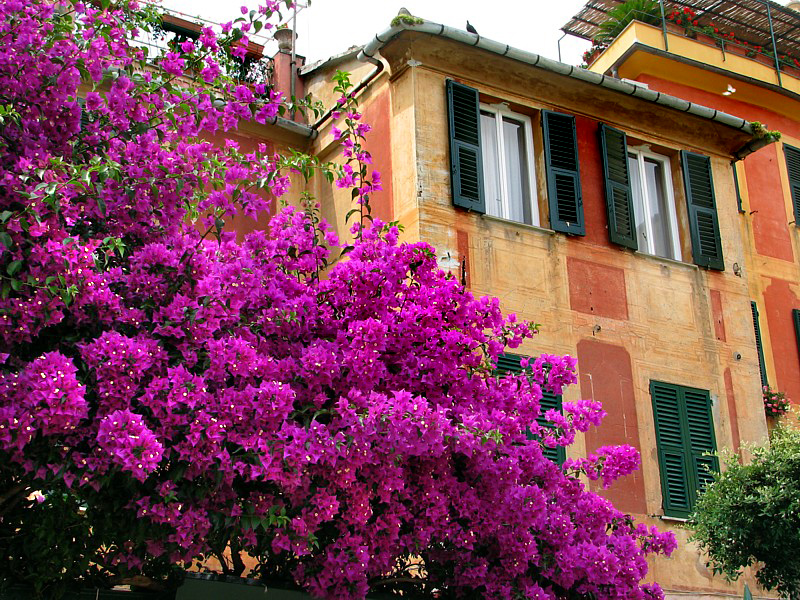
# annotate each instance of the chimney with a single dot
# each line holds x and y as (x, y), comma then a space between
(286, 66)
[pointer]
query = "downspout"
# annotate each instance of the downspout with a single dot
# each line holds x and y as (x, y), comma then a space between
(774, 45)
(293, 65)
(664, 25)
(362, 84)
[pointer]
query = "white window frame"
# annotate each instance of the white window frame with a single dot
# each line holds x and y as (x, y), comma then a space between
(641, 153)
(501, 110)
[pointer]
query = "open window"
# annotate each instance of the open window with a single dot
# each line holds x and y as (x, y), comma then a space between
(506, 152)
(640, 200)
(653, 204)
(492, 161)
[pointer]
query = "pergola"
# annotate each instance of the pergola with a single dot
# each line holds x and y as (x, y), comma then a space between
(757, 22)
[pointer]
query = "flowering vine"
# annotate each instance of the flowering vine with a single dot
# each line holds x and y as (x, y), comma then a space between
(170, 393)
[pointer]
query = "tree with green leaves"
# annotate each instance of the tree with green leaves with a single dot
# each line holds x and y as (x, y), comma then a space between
(750, 515)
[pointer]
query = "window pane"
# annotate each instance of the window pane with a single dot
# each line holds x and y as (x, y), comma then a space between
(491, 165)
(658, 208)
(638, 203)
(516, 159)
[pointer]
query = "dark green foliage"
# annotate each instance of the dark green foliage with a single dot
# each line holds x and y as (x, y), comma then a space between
(751, 514)
(646, 11)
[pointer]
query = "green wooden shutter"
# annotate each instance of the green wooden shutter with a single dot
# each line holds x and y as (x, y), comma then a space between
(511, 363)
(793, 168)
(796, 319)
(684, 434)
(701, 437)
(551, 401)
(84, 114)
(619, 199)
(466, 163)
(563, 175)
(762, 366)
(703, 224)
(673, 456)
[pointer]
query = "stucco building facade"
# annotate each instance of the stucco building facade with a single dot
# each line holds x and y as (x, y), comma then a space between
(604, 211)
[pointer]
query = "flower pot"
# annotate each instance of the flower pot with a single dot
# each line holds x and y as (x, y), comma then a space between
(285, 39)
(674, 28)
(704, 38)
(734, 48)
(791, 70)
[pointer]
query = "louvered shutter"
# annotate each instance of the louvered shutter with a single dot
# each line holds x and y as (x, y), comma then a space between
(703, 224)
(793, 169)
(701, 437)
(796, 319)
(551, 402)
(511, 363)
(466, 167)
(619, 199)
(84, 114)
(762, 367)
(684, 435)
(673, 457)
(563, 176)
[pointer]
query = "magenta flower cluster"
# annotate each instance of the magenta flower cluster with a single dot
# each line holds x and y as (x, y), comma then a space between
(335, 412)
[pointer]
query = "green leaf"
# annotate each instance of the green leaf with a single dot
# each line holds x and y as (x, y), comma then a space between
(14, 267)
(101, 204)
(6, 240)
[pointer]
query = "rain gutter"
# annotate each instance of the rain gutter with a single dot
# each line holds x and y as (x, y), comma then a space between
(368, 52)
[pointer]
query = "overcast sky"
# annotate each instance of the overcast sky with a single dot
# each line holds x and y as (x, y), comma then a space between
(328, 27)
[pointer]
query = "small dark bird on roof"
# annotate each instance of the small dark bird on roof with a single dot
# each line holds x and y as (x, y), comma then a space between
(471, 29)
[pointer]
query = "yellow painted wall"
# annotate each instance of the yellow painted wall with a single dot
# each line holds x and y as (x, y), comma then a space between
(669, 331)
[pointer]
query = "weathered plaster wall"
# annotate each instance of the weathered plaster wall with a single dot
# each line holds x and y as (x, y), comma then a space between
(771, 238)
(629, 318)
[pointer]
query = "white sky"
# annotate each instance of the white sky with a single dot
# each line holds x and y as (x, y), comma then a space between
(329, 27)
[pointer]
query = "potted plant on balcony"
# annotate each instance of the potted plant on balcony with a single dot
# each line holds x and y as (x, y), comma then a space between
(776, 404)
(590, 55)
(285, 37)
(618, 18)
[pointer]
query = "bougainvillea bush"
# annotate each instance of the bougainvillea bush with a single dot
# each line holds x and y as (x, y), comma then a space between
(329, 409)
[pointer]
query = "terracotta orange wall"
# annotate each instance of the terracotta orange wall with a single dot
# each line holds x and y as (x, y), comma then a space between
(726, 104)
(763, 183)
(592, 182)
(779, 300)
(733, 413)
(241, 224)
(767, 209)
(379, 144)
(605, 374)
(597, 289)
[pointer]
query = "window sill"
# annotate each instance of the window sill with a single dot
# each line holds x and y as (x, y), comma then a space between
(518, 224)
(672, 519)
(667, 261)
